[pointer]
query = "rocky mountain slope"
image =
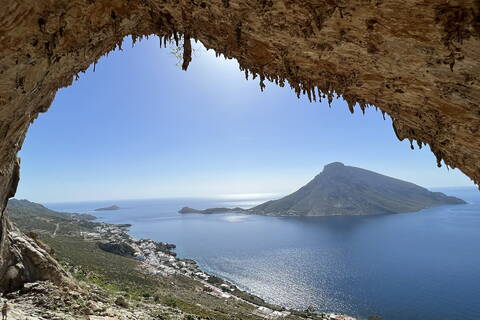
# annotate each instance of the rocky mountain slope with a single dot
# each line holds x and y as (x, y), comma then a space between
(345, 190)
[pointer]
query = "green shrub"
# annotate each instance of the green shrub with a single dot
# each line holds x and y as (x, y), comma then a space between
(170, 301)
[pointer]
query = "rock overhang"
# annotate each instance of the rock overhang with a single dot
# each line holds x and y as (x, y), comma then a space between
(416, 61)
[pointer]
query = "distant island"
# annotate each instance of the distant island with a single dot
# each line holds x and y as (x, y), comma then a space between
(113, 207)
(213, 210)
(346, 190)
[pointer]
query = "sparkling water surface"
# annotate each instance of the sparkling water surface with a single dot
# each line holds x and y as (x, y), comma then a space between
(416, 266)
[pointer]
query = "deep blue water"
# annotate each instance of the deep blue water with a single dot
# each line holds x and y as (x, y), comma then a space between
(416, 266)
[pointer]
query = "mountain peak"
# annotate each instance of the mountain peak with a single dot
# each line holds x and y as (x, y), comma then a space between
(346, 190)
(333, 165)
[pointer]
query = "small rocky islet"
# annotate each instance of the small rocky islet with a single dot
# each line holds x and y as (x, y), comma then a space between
(213, 210)
(109, 208)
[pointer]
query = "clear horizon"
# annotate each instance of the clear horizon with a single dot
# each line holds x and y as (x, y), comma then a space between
(119, 133)
(213, 197)
(239, 196)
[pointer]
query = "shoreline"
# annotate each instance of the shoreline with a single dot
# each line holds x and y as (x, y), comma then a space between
(160, 259)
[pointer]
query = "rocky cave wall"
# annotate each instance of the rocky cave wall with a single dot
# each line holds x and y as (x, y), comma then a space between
(414, 60)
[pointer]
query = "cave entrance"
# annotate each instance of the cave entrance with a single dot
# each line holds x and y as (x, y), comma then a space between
(136, 121)
(138, 127)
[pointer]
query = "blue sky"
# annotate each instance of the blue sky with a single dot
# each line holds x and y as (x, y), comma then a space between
(140, 127)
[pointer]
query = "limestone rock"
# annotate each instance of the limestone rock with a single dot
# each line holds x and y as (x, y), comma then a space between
(119, 248)
(27, 261)
(120, 301)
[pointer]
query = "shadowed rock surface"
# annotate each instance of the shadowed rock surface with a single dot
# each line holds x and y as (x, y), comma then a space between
(415, 60)
(119, 248)
(29, 261)
(345, 190)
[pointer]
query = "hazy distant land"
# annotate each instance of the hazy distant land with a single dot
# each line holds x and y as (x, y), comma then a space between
(110, 208)
(214, 210)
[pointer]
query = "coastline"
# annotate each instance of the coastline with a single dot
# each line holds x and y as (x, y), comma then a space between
(148, 221)
(160, 259)
(250, 212)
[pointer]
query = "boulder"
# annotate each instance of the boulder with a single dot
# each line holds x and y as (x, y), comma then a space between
(119, 248)
(122, 302)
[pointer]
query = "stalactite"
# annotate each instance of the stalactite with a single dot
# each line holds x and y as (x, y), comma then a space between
(362, 107)
(351, 106)
(394, 126)
(176, 38)
(187, 52)
(119, 44)
(411, 143)
(330, 99)
(262, 84)
(438, 155)
(297, 91)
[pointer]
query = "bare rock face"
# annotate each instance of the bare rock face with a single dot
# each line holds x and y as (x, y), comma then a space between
(25, 259)
(415, 60)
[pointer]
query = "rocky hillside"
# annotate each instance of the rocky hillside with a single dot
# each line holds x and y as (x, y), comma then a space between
(113, 276)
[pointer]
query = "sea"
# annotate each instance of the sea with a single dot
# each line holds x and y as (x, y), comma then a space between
(415, 266)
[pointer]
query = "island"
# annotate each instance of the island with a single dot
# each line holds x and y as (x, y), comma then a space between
(113, 207)
(347, 190)
(213, 210)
